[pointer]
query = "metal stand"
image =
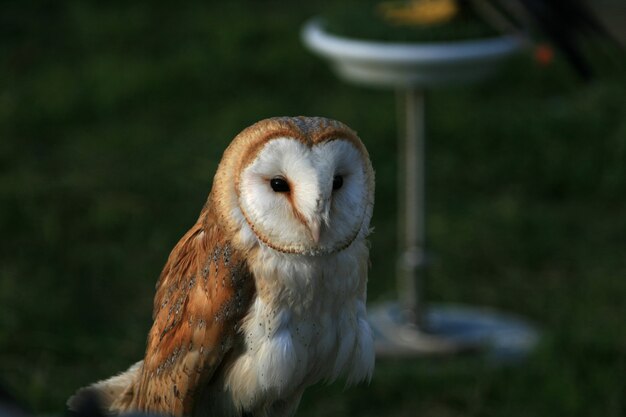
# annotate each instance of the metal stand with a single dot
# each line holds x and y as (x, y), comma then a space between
(412, 263)
(408, 328)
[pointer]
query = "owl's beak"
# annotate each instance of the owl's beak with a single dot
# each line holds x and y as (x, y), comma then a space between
(315, 226)
(319, 220)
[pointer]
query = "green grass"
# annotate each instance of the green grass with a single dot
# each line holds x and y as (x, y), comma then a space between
(113, 119)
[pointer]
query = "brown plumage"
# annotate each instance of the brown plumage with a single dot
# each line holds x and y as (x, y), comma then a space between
(204, 290)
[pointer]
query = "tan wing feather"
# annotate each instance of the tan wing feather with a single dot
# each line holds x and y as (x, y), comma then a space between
(204, 290)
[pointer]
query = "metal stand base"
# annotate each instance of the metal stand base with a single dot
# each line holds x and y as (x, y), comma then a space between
(451, 329)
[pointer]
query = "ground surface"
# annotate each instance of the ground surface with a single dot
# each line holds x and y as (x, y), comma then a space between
(112, 121)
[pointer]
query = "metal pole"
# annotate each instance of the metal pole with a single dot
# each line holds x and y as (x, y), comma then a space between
(407, 328)
(412, 206)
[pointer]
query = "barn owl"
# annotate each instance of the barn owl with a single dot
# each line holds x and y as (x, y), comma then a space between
(265, 294)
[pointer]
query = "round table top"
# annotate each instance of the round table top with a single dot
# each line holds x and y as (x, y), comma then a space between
(404, 64)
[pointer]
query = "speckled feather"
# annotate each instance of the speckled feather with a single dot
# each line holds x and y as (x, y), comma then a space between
(204, 290)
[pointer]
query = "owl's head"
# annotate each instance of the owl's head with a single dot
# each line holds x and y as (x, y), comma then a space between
(300, 185)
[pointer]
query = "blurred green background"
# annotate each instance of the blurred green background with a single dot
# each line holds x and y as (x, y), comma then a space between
(114, 116)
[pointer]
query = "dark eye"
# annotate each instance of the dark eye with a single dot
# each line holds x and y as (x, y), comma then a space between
(279, 185)
(337, 182)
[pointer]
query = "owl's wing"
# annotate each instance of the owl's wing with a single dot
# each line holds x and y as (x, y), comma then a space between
(203, 292)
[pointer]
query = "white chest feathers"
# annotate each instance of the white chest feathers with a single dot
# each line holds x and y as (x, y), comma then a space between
(307, 324)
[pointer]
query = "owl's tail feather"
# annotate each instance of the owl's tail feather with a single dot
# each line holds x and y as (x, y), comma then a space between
(110, 393)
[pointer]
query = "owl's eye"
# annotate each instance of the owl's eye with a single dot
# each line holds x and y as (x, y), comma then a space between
(279, 185)
(337, 182)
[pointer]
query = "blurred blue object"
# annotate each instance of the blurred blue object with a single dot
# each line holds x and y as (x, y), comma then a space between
(449, 328)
